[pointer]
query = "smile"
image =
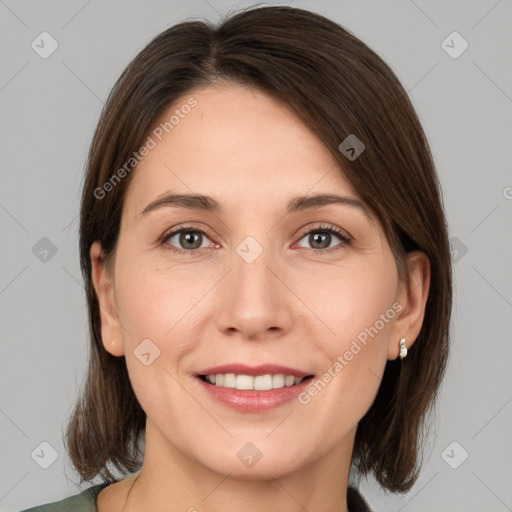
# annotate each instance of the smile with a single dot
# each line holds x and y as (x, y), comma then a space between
(248, 382)
(253, 388)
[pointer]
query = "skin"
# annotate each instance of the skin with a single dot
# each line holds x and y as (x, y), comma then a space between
(291, 306)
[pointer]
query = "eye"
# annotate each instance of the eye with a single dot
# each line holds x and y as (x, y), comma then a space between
(186, 239)
(190, 240)
(320, 238)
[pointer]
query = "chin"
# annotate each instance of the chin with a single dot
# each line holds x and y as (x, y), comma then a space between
(258, 460)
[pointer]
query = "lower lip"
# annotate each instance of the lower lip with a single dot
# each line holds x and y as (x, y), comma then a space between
(254, 401)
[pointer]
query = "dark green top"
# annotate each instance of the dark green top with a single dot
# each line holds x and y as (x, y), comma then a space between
(86, 502)
(82, 502)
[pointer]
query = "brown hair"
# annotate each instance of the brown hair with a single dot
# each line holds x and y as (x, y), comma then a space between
(338, 86)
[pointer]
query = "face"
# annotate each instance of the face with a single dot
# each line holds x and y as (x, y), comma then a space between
(267, 284)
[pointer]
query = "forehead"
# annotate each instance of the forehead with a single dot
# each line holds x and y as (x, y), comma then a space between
(238, 143)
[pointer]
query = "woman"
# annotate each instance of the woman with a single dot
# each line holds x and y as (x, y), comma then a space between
(267, 270)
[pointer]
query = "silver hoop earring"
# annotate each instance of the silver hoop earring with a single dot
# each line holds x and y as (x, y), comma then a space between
(403, 349)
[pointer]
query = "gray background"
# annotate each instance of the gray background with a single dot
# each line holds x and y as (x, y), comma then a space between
(49, 108)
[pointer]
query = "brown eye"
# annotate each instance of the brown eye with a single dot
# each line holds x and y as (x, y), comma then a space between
(322, 238)
(186, 239)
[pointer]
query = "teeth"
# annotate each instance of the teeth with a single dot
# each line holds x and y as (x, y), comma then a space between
(248, 382)
(263, 382)
(244, 382)
(278, 380)
(229, 380)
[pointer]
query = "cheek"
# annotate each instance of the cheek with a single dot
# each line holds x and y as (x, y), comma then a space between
(162, 314)
(357, 306)
(153, 301)
(155, 312)
(351, 301)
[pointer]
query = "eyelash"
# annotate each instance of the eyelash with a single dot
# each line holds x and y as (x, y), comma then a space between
(329, 228)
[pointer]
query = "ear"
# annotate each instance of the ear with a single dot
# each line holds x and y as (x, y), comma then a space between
(413, 300)
(111, 332)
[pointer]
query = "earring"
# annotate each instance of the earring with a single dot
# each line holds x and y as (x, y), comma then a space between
(403, 349)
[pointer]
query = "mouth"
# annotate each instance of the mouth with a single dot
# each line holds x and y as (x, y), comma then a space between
(243, 382)
(253, 389)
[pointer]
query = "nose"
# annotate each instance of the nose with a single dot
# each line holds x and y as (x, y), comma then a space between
(255, 301)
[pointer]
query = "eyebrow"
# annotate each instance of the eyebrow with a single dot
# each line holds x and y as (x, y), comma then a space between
(209, 204)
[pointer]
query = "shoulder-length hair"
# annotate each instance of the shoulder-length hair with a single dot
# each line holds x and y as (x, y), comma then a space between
(338, 86)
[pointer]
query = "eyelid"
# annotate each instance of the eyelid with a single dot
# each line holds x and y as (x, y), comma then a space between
(187, 227)
(345, 237)
(326, 227)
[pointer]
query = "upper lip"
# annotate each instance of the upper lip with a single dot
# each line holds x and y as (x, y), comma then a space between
(262, 369)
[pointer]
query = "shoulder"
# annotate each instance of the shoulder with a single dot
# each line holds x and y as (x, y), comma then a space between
(86, 502)
(82, 502)
(355, 502)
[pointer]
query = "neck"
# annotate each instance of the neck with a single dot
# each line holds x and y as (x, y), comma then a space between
(171, 481)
